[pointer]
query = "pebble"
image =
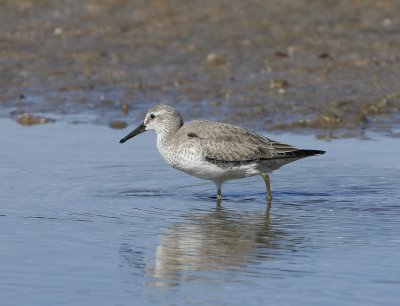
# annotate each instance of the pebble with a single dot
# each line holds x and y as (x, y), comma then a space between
(278, 84)
(118, 124)
(214, 59)
(125, 108)
(28, 119)
(58, 31)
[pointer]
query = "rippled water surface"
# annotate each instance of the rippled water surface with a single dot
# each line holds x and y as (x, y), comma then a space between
(85, 220)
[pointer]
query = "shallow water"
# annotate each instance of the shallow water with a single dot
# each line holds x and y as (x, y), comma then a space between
(85, 220)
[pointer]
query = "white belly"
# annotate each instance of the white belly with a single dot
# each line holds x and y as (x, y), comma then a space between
(209, 171)
(192, 162)
(190, 159)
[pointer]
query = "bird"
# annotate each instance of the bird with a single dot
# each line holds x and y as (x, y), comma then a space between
(216, 151)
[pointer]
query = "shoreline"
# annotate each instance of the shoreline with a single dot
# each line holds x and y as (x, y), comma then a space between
(257, 64)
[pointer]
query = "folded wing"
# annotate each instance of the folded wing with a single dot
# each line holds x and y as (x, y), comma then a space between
(227, 143)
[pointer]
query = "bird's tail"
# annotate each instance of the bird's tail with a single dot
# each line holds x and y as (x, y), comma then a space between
(305, 153)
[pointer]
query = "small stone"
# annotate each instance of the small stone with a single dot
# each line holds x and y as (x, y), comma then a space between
(28, 119)
(325, 136)
(386, 22)
(118, 124)
(227, 93)
(278, 84)
(281, 54)
(290, 51)
(58, 31)
(214, 59)
(325, 55)
(140, 86)
(191, 47)
(125, 108)
(178, 83)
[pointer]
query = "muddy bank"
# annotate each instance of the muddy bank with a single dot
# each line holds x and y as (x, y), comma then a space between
(330, 67)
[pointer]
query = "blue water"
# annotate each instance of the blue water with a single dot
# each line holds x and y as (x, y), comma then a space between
(85, 220)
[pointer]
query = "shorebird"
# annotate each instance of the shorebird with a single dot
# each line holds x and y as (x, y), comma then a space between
(216, 151)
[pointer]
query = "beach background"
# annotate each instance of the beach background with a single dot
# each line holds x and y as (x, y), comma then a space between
(85, 220)
(331, 67)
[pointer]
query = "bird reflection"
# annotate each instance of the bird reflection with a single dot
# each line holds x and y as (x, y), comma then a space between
(214, 240)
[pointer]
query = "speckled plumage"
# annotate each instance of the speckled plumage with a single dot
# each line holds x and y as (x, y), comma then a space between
(216, 151)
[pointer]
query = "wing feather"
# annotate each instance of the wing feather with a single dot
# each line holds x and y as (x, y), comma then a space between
(228, 143)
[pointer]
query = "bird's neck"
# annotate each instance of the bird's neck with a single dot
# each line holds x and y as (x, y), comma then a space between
(166, 133)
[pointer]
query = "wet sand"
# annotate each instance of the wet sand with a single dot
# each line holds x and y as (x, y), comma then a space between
(327, 67)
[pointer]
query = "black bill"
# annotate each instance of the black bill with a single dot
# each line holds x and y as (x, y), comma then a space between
(140, 129)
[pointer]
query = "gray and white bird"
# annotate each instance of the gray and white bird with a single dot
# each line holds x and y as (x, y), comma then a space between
(216, 151)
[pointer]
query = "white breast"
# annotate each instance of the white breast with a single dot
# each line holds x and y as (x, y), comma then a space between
(190, 159)
(180, 157)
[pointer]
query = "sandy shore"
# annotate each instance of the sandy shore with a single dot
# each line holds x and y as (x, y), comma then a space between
(330, 67)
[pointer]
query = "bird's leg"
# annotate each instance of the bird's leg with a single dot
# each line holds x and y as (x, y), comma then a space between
(219, 195)
(267, 212)
(266, 180)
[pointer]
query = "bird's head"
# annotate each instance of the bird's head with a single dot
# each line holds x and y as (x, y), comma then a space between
(162, 118)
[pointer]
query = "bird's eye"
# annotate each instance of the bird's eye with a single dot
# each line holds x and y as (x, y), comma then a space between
(152, 116)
